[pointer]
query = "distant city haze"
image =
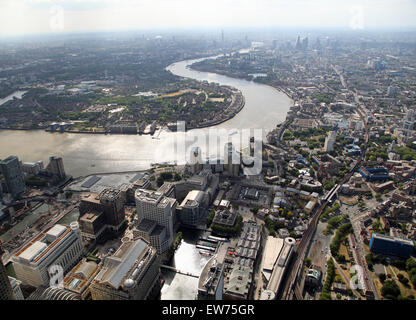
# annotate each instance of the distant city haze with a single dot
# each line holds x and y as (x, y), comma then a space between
(19, 17)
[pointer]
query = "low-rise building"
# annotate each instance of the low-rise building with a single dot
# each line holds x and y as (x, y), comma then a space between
(238, 282)
(80, 277)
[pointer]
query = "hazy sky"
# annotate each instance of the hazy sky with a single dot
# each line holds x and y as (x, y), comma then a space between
(38, 16)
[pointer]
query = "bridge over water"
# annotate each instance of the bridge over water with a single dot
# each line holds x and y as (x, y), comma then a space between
(179, 271)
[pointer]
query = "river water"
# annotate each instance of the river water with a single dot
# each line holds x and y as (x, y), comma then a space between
(84, 154)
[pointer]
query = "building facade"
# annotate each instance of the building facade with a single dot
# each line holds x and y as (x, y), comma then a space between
(60, 245)
(388, 245)
(192, 208)
(6, 290)
(132, 273)
(56, 167)
(154, 220)
(100, 212)
(10, 167)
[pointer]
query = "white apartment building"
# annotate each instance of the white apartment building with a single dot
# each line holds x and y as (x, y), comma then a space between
(60, 245)
(155, 218)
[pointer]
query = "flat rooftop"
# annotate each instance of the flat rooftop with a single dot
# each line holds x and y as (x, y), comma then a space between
(115, 180)
(42, 244)
(91, 197)
(392, 238)
(117, 267)
(110, 193)
(90, 216)
(271, 252)
(148, 195)
(146, 225)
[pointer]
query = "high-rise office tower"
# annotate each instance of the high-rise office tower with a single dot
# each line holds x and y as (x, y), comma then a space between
(105, 208)
(112, 202)
(195, 160)
(318, 44)
(391, 91)
(6, 291)
(409, 119)
(56, 167)
(232, 160)
(13, 176)
(298, 44)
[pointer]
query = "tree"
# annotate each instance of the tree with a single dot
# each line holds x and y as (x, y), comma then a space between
(308, 262)
(341, 258)
(369, 259)
(166, 175)
(410, 264)
(399, 264)
(382, 277)
(160, 181)
(329, 185)
(403, 279)
(210, 217)
(390, 289)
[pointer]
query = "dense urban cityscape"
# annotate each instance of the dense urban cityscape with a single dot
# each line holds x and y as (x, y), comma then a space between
(131, 168)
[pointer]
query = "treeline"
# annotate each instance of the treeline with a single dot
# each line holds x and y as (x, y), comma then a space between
(329, 210)
(167, 176)
(334, 222)
(330, 276)
(339, 237)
